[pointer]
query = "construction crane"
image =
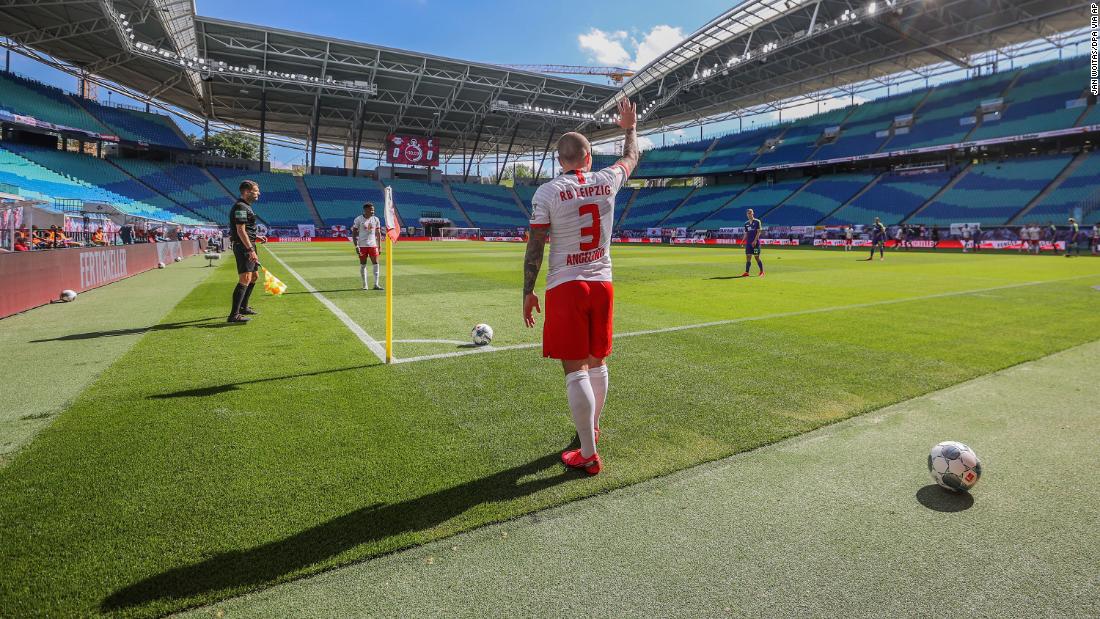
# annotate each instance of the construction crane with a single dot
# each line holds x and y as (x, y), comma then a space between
(616, 74)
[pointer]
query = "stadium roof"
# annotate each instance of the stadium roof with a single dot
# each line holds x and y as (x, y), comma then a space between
(762, 51)
(758, 52)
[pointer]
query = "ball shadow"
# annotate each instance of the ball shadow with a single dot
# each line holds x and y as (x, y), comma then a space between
(944, 500)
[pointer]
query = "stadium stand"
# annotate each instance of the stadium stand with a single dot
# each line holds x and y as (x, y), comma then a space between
(339, 199)
(994, 192)
(1038, 101)
(35, 179)
(95, 171)
(415, 197)
(652, 205)
(735, 151)
(1073, 192)
(489, 206)
(761, 197)
(939, 119)
(703, 202)
(280, 202)
(525, 193)
(677, 160)
(29, 98)
(858, 134)
(186, 185)
(801, 138)
(893, 198)
(136, 126)
(820, 198)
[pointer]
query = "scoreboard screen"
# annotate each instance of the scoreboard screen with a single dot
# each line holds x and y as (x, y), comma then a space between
(411, 150)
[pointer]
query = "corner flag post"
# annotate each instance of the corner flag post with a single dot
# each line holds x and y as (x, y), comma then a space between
(393, 231)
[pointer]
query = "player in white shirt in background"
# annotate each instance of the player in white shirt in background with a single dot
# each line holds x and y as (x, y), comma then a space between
(366, 233)
(575, 212)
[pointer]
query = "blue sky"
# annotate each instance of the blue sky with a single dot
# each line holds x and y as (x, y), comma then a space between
(618, 33)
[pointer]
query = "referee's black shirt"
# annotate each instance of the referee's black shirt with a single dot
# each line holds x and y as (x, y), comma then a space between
(242, 213)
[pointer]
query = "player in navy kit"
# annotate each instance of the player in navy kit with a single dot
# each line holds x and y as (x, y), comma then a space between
(753, 230)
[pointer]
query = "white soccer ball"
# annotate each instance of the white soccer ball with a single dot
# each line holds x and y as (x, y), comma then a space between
(482, 334)
(179, 258)
(68, 295)
(954, 466)
(160, 265)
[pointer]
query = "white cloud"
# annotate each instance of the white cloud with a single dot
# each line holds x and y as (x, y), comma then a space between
(610, 48)
(605, 47)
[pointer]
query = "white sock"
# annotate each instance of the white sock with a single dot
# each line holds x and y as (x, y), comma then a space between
(598, 377)
(376, 280)
(363, 274)
(582, 404)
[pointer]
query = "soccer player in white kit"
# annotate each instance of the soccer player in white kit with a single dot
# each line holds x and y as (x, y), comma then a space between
(366, 233)
(575, 211)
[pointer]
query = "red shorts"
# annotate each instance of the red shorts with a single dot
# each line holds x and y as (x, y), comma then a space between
(578, 320)
(367, 252)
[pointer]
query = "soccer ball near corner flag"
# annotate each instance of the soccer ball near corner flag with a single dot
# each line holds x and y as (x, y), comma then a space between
(481, 334)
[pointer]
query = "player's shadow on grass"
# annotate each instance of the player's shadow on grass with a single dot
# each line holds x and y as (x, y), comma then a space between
(164, 326)
(199, 392)
(231, 571)
(943, 500)
(730, 277)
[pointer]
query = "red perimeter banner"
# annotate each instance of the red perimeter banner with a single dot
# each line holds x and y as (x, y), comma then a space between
(412, 150)
(33, 278)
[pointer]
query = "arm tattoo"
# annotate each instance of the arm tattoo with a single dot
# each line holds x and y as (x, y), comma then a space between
(630, 151)
(532, 261)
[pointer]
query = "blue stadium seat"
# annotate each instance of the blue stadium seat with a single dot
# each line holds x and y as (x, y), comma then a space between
(820, 198)
(339, 199)
(993, 192)
(490, 207)
(413, 198)
(939, 119)
(29, 98)
(761, 197)
(650, 206)
(893, 198)
(136, 126)
(703, 202)
(280, 203)
(1075, 191)
(800, 140)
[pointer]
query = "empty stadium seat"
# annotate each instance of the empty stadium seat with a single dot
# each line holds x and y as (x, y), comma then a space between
(1037, 102)
(939, 118)
(136, 126)
(45, 182)
(490, 207)
(801, 138)
(735, 152)
(992, 193)
(678, 160)
(30, 98)
(703, 202)
(761, 197)
(186, 185)
(412, 198)
(819, 199)
(339, 199)
(280, 203)
(650, 206)
(1073, 192)
(893, 198)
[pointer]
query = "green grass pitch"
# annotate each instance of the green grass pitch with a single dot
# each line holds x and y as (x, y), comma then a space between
(207, 462)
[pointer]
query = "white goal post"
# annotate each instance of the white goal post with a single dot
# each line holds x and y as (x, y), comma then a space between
(458, 233)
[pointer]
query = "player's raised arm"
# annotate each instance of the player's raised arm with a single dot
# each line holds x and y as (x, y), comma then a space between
(628, 120)
(532, 263)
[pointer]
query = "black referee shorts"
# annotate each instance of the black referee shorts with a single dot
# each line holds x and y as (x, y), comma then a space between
(244, 263)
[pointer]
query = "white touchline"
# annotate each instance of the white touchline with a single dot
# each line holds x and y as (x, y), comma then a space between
(363, 336)
(717, 323)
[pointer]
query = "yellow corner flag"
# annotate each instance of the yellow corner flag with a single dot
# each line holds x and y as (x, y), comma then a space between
(272, 284)
(393, 232)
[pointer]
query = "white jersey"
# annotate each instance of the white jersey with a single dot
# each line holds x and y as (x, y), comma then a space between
(368, 231)
(579, 209)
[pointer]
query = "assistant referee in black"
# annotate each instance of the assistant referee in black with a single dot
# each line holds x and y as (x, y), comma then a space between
(242, 229)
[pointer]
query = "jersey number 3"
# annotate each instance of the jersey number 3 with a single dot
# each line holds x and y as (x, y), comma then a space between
(594, 231)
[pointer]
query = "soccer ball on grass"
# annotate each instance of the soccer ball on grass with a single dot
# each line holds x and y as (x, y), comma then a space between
(481, 335)
(179, 259)
(160, 265)
(68, 295)
(954, 466)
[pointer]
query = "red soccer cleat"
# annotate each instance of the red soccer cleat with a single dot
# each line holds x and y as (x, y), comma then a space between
(745, 274)
(574, 460)
(761, 274)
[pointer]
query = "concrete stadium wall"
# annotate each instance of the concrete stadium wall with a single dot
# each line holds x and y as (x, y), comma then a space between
(33, 278)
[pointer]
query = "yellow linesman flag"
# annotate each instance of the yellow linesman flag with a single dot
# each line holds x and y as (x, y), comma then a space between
(272, 284)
